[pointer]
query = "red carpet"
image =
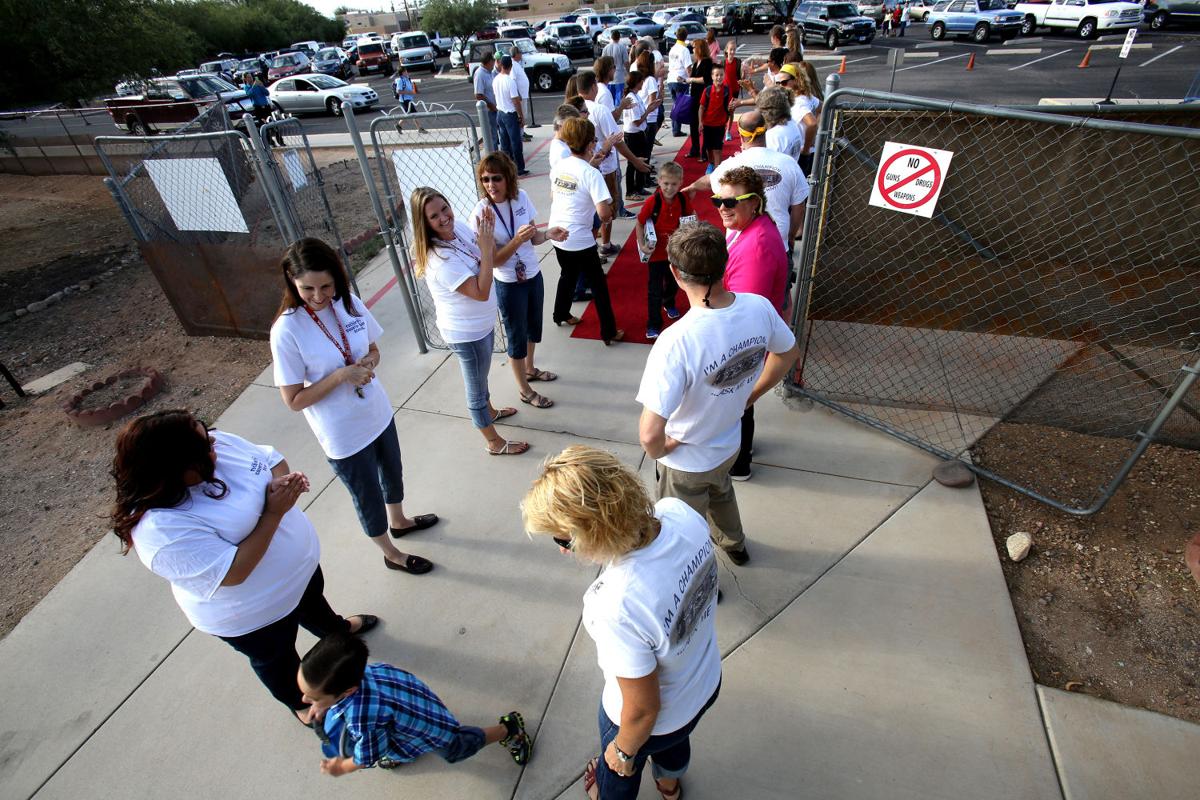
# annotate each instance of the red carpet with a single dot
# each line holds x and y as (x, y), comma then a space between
(627, 275)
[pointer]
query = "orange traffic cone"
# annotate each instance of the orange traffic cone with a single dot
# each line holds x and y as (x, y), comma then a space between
(971, 62)
(842, 68)
(1087, 59)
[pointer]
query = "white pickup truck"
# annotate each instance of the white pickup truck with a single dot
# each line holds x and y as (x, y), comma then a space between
(1088, 18)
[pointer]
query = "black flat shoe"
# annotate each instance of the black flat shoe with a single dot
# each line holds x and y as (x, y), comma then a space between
(369, 621)
(414, 565)
(422, 521)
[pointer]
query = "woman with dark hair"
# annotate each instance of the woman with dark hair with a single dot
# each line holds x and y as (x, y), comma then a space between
(699, 79)
(633, 125)
(651, 91)
(520, 290)
(325, 361)
(458, 266)
(216, 516)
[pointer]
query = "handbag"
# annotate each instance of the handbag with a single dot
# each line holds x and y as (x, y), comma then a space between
(681, 112)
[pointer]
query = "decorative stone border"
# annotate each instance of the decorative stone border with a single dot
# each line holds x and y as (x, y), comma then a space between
(90, 418)
(82, 286)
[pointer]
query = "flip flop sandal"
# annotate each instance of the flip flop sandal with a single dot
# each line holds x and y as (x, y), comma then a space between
(422, 521)
(569, 321)
(536, 400)
(503, 413)
(675, 795)
(369, 621)
(589, 780)
(509, 449)
(413, 565)
(540, 375)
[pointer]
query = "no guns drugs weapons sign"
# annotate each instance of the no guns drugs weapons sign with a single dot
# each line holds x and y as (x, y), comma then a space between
(910, 178)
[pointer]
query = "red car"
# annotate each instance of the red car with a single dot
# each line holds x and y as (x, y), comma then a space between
(287, 64)
(487, 32)
(373, 56)
(169, 103)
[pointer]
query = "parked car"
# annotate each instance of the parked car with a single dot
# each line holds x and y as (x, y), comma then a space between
(441, 43)
(833, 23)
(310, 47)
(1162, 13)
(691, 32)
(729, 17)
(286, 64)
(414, 51)
(373, 57)
(516, 32)
(322, 94)
(595, 23)
(688, 16)
(663, 16)
(628, 34)
(918, 10)
(486, 32)
(979, 19)
(332, 61)
(568, 38)
(222, 69)
(1088, 18)
(645, 26)
(165, 104)
(254, 66)
(545, 71)
(764, 17)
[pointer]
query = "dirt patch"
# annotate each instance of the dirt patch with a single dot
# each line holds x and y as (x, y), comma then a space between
(48, 218)
(1105, 603)
(57, 490)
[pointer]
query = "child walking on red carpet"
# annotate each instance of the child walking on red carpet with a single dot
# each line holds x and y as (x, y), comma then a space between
(714, 115)
(658, 219)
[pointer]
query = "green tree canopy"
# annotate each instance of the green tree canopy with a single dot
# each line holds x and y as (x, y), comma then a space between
(458, 18)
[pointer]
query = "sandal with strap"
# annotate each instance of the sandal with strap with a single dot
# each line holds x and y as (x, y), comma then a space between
(589, 780)
(677, 794)
(568, 321)
(537, 400)
(541, 375)
(509, 449)
(503, 413)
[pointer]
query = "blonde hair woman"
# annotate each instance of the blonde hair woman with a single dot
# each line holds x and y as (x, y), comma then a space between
(457, 266)
(651, 613)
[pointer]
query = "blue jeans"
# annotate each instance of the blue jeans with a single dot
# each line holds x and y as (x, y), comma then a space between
(509, 138)
(671, 753)
(676, 90)
(374, 477)
(475, 359)
(468, 740)
(521, 311)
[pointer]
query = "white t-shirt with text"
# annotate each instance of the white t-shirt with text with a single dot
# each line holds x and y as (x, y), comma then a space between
(701, 371)
(343, 422)
(782, 177)
(459, 318)
(193, 545)
(510, 216)
(656, 608)
(577, 187)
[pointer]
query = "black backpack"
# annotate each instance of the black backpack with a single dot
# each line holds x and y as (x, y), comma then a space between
(657, 208)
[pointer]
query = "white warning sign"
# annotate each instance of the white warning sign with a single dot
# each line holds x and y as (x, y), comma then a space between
(910, 178)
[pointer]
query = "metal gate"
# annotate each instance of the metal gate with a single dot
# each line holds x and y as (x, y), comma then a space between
(439, 149)
(1057, 284)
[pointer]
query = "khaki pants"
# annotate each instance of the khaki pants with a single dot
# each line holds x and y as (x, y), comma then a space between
(710, 494)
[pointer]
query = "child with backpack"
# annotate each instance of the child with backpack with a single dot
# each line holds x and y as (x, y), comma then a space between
(658, 219)
(406, 92)
(377, 715)
(714, 116)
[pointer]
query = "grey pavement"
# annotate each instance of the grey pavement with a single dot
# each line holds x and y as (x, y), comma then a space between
(870, 647)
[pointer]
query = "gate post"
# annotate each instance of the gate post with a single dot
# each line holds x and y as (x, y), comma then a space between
(384, 228)
(485, 125)
(266, 172)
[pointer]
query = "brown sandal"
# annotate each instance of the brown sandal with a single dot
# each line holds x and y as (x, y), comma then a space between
(537, 400)
(540, 375)
(675, 795)
(589, 779)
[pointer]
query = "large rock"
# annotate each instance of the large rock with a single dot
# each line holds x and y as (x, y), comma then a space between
(1019, 545)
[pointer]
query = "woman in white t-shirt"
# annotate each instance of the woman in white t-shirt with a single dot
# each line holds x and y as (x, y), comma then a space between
(633, 125)
(520, 292)
(806, 104)
(650, 92)
(324, 343)
(216, 516)
(651, 612)
(783, 135)
(457, 265)
(580, 194)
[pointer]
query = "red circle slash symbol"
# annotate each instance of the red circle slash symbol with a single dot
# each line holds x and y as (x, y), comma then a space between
(886, 191)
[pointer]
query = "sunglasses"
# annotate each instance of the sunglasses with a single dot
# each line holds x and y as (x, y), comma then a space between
(491, 178)
(565, 544)
(731, 202)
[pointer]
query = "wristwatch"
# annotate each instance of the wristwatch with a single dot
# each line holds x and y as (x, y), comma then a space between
(622, 756)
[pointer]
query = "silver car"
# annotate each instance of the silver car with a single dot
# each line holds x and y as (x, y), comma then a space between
(313, 93)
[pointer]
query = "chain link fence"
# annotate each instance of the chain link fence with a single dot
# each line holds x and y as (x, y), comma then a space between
(1056, 284)
(408, 150)
(207, 220)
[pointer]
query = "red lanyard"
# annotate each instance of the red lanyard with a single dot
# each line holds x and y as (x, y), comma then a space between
(344, 348)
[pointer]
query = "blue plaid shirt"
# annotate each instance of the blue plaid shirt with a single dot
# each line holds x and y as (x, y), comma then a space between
(394, 714)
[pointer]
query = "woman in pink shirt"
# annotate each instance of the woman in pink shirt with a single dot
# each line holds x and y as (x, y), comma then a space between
(758, 260)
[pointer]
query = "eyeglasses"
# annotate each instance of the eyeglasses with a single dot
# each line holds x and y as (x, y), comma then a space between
(491, 178)
(731, 202)
(565, 544)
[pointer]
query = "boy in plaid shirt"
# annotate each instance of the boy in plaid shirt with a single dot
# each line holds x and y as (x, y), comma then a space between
(390, 716)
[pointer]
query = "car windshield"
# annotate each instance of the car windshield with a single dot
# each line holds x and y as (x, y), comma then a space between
(570, 30)
(843, 11)
(284, 61)
(249, 65)
(326, 82)
(374, 48)
(414, 41)
(205, 86)
(993, 5)
(525, 46)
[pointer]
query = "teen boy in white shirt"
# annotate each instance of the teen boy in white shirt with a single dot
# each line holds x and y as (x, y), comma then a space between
(702, 373)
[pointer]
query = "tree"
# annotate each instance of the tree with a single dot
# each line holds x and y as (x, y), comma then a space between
(458, 18)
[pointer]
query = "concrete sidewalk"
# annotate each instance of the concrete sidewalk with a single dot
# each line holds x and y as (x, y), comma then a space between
(871, 650)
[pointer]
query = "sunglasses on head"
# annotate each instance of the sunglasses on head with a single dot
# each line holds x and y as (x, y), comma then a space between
(731, 202)
(565, 544)
(491, 178)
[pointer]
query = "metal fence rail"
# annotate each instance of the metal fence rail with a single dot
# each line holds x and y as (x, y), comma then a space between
(438, 149)
(1057, 283)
